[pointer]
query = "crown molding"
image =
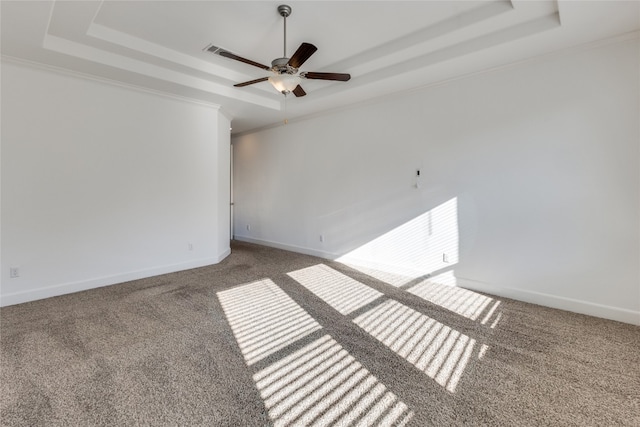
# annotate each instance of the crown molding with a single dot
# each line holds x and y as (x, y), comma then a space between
(103, 80)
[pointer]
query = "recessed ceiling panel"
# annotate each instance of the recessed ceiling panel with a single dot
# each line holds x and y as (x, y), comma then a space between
(255, 29)
(386, 46)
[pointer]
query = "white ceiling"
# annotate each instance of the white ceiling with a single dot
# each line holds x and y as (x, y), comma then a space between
(386, 46)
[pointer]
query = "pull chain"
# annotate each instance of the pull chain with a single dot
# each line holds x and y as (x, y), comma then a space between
(285, 109)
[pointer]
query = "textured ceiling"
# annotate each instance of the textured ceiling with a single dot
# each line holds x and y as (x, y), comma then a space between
(387, 46)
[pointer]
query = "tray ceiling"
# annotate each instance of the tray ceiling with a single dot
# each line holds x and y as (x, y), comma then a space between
(386, 46)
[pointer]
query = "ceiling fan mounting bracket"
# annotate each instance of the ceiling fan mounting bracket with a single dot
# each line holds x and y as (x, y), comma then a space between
(284, 10)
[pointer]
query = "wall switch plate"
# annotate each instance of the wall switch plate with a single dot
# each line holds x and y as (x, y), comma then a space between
(322, 237)
(445, 258)
(14, 272)
(248, 227)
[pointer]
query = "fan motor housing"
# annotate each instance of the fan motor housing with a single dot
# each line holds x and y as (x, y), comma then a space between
(281, 66)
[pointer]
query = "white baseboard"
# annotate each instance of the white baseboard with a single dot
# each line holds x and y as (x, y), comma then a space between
(554, 301)
(286, 247)
(547, 300)
(223, 255)
(68, 288)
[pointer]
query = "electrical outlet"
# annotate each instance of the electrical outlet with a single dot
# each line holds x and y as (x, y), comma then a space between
(190, 246)
(14, 272)
(322, 237)
(248, 227)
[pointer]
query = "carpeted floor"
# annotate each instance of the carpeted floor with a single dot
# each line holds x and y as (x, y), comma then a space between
(269, 337)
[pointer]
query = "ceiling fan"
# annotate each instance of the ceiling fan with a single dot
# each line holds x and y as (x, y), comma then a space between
(285, 76)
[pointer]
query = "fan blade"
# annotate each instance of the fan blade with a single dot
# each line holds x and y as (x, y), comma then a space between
(241, 59)
(303, 53)
(342, 77)
(298, 91)
(262, 79)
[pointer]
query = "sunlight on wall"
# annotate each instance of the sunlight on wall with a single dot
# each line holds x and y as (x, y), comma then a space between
(264, 319)
(439, 351)
(310, 383)
(416, 249)
(341, 292)
(413, 249)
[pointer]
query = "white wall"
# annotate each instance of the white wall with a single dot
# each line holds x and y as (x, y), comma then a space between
(223, 190)
(541, 161)
(103, 184)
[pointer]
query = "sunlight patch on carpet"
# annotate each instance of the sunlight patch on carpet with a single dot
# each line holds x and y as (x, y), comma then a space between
(339, 290)
(442, 292)
(318, 384)
(264, 319)
(322, 385)
(439, 351)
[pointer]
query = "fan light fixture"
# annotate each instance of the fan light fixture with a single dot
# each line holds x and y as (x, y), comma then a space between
(284, 83)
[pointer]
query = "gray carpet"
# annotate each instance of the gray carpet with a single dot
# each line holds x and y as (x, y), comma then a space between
(269, 337)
